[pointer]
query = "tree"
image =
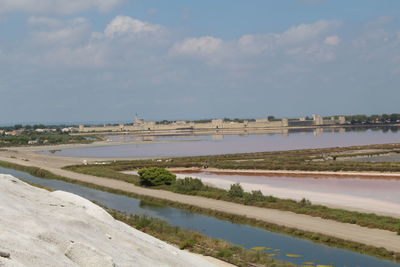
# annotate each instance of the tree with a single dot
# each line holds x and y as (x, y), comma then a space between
(156, 176)
(236, 190)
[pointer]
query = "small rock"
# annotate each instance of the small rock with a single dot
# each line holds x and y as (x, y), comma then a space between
(4, 254)
(108, 236)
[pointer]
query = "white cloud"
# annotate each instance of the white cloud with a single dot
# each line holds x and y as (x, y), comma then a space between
(332, 40)
(79, 57)
(256, 44)
(126, 40)
(123, 25)
(45, 21)
(302, 43)
(198, 46)
(313, 53)
(306, 41)
(294, 36)
(307, 32)
(71, 43)
(53, 31)
(57, 6)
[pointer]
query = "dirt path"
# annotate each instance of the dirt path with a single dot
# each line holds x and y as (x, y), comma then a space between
(374, 237)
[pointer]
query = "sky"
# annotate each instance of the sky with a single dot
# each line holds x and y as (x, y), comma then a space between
(107, 60)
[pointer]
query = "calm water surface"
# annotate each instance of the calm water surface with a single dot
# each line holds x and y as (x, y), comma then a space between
(243, 235)
(220, 144)
(378, 189)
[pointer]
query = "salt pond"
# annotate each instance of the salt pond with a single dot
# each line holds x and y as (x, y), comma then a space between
(372, 195)
(192, 145)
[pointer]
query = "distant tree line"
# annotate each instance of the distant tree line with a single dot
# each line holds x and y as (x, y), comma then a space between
(237, 120)
(374, 119)
(41, 138)
(33, 127)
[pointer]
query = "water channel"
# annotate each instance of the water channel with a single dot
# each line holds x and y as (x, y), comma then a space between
(299, 251)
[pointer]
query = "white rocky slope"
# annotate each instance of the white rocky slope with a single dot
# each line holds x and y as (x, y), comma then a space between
(39, 228)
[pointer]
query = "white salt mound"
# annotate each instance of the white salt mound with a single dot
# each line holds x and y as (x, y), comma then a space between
(39, 228)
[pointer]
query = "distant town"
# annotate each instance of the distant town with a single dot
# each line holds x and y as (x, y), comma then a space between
(40, 134)
(269, 122)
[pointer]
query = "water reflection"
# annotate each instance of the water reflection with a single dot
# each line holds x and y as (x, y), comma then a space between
(221, 143)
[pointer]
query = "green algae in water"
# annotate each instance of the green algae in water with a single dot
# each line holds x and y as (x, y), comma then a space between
(261, 248)
(293, 256)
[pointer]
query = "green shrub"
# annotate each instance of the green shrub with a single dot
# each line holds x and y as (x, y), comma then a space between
(236, 191)
(305, 202)
(189, 243)
(224, 254)
(257, 195)
(189, 184)
(154, 176)
(254, 196)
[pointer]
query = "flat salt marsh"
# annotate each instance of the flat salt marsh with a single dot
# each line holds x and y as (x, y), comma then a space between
(369, 195)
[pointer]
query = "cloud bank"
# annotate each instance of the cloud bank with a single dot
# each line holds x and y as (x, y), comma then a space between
(136, 64)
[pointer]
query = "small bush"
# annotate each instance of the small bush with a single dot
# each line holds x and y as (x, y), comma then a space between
(154, 176)
(189, 184)
(257, 195)
(189, 243)
(305, 202)
(236, 191)
(254, 196)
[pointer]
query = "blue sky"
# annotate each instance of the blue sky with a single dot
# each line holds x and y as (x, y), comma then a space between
(105, 60)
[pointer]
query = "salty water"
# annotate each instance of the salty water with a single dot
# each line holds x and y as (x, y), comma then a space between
(371, 188)
(193, 145)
